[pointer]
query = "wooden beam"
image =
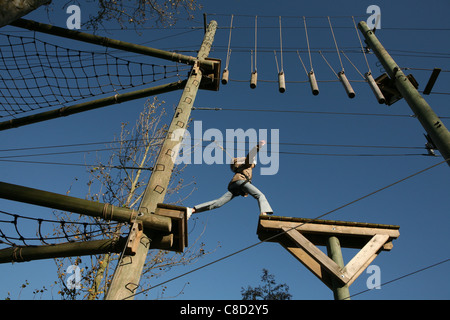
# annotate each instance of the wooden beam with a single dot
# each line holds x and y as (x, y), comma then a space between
(310, 263)
(350, 234)
(432, 81)
(329, 265)
(365, 257)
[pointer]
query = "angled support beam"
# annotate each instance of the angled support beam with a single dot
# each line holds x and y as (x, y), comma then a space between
(364, 257)
(315, 253)
(432, 81)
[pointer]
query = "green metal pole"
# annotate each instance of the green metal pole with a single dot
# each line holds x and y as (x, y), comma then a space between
(95, 104)
(341, 292)
(107, 42)
(429, 120)
(128, 271)
(61, 250)
(90, 208)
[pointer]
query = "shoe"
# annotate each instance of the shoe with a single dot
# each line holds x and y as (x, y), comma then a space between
(188, 213)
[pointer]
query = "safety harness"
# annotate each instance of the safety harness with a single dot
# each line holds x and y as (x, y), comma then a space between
(238, 168)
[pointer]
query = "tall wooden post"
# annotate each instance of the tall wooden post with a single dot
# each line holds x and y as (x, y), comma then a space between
(427, 117)
(340, 291)
(129, 269)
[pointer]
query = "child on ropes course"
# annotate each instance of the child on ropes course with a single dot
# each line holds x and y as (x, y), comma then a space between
(240, 185)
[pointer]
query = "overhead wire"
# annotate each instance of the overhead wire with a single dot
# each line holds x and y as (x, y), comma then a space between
(402, 277)
(12, 158)
(308, 112)
(227, 62)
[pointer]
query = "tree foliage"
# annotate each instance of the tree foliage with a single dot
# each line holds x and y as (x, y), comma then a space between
(135, 13)
(121, 181)
(269, 290)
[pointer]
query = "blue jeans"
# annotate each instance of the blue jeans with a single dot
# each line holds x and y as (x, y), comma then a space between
(235, 189)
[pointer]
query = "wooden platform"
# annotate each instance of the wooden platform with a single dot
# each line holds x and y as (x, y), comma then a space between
(301, 237)
(179, 225)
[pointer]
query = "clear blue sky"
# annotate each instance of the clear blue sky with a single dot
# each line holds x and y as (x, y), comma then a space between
(305, 186)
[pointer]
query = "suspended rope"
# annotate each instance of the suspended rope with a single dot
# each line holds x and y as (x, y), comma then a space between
(254, 69)
(335, 43)
(225, 73)
(351, 62)
(361, 44)
(311, 74)
(341, 75)
(307, 42)
(281, 46)
(281, 78)
(368, 75)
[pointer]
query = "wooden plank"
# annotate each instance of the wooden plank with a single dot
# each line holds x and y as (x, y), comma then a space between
(179, 229)
(328, 229)
(333, 222)
(328, 264)
(365, 256)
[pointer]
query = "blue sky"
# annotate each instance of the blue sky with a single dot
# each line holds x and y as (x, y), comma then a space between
(306, 185)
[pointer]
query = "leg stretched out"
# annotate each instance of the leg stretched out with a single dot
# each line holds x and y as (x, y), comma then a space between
(264, 206)
(214, 204)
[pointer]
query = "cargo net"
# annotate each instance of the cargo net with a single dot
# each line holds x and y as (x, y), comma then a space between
(18, 230)
(35, 74)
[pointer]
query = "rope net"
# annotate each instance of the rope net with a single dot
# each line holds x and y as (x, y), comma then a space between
(16, 230)
(36, 74)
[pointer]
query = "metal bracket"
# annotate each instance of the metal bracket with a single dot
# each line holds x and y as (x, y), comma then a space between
(136, 232)
(389, 90)
(211, 77)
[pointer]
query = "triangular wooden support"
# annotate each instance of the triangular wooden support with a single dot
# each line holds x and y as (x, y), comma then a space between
(302, 236)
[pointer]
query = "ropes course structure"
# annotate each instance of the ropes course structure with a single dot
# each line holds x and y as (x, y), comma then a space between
(318, 46)
(37, 75)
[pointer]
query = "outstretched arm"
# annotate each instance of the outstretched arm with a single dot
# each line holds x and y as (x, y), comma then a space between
(252, 154)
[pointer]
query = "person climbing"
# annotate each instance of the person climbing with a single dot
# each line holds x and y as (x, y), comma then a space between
(240, 185)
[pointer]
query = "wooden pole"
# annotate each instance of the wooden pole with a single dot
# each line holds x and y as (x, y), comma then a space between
(90, 105)
(82, 206)
(430, 121)
(13, 9)
(129, 269)
(340, 291)
(61, 250)
(107, 42)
